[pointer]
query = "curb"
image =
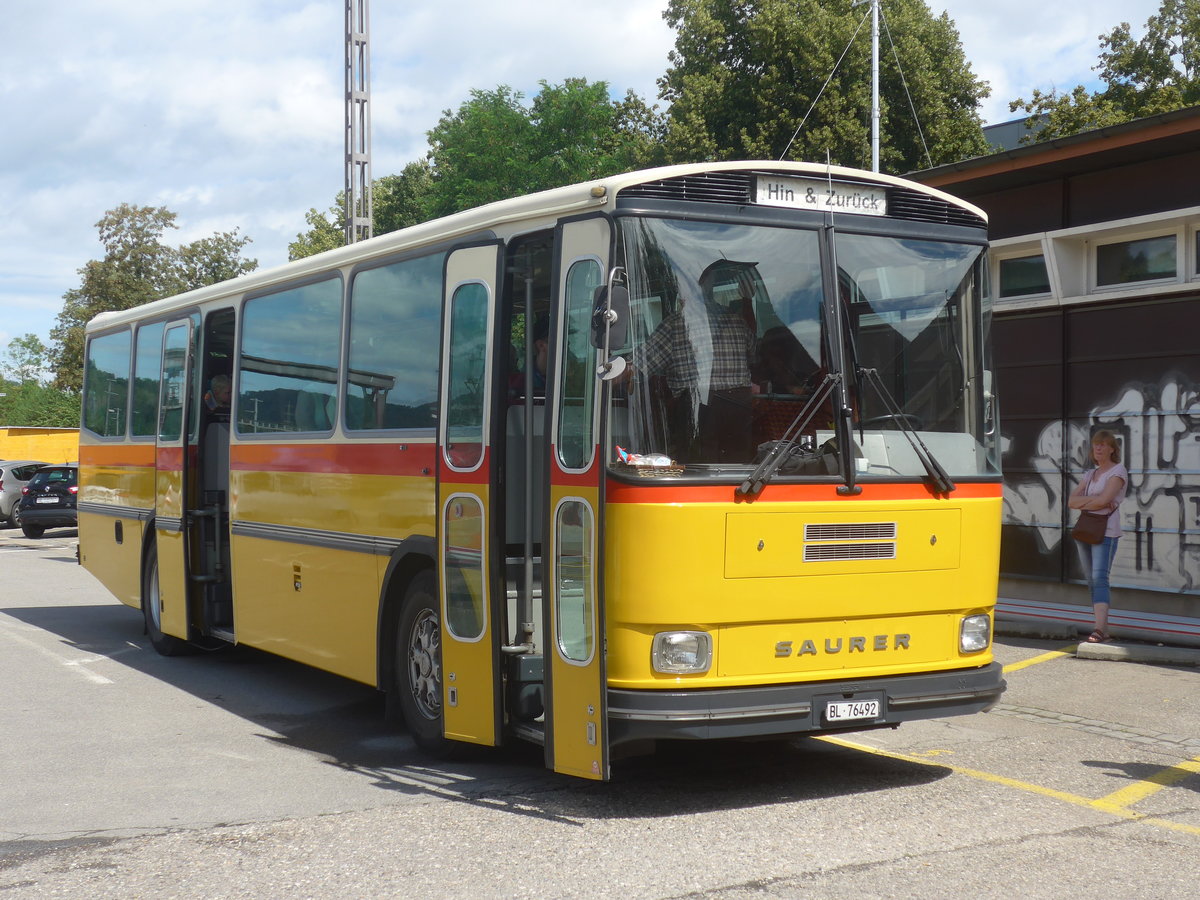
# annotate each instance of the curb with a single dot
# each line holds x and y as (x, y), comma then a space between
(1139, 653)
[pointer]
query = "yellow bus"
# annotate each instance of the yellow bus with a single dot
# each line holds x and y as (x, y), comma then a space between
(698, 452)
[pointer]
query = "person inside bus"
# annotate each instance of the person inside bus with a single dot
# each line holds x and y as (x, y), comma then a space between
(541, 350)
(218, 395)
(784, 366)
(703, 352)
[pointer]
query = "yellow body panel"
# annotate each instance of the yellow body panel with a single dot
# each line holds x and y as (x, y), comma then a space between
(330, 620)
(392, 506)
(116, 565)
(698, 567)
(312, 604)
(118, 485)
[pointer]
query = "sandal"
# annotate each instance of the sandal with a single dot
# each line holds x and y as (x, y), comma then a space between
(1097, 637)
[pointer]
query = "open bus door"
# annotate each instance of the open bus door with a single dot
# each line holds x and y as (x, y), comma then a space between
(167, 608)
(573, 609)
(467, 561)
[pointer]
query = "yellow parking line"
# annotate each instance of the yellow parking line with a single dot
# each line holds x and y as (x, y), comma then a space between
(1104, 804)
(1140, 790)
(1045, 657)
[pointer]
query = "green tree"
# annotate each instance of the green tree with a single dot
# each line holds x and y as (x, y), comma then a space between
(137, 268)
(747, 80)
(398, 201)
(26, 359)
(1156, 74)
(495, 147)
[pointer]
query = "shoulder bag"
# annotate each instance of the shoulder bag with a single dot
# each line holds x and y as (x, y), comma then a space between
(1090, 527)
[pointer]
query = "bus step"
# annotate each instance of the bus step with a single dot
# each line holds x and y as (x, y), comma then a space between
(223, 634)
(534, 732)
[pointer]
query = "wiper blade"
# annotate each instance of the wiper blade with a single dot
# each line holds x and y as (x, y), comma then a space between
(783, 447)
(942, 482)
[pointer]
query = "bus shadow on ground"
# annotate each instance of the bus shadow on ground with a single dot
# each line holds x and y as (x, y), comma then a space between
(342, 723)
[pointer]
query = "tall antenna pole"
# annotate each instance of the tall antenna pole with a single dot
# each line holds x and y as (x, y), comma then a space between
(875, 85)
(359, 208)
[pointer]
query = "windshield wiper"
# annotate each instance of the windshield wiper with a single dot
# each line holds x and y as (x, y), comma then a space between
(942, 482)
(784, 447)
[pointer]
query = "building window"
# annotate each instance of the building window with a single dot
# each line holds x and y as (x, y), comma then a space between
(1127, 262)
(1024, 275)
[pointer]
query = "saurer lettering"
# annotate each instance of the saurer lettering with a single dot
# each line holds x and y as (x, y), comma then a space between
(830, 646)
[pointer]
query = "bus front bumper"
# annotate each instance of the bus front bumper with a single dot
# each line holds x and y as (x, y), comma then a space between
(799, 708)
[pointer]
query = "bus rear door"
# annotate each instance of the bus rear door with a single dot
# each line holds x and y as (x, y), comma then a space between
(173, 480)
(467, 560)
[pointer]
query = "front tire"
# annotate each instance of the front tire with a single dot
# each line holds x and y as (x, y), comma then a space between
(165, 644)
(418, 666)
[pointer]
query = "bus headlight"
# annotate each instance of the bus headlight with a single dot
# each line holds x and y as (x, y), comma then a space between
(681, 652)
(975, 633)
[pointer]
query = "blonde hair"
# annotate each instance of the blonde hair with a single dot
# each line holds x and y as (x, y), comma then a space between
(1104, 436)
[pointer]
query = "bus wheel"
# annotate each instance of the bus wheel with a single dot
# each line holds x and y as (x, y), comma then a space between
(165, 644)
(418, 666)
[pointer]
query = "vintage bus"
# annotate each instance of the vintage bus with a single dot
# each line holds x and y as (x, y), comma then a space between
(705, 451)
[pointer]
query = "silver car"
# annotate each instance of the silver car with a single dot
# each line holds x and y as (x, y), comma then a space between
(14, 475)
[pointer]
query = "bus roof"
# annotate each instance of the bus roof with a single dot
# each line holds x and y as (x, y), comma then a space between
(577, 198)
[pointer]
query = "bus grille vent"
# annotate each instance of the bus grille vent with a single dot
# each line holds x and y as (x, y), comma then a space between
(852, 531)
(844, 552)
(704, 187)
(918, 207)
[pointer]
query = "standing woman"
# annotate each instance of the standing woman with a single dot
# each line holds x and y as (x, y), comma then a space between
(1103, 488)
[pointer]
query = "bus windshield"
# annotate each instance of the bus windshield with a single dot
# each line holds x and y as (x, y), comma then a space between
(730, 337)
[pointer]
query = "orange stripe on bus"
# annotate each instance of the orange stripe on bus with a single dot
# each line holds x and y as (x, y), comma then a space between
(620, 492)
(355, 459)
(116, 455)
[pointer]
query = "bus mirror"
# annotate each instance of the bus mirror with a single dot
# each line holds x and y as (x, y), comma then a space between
(610, 317)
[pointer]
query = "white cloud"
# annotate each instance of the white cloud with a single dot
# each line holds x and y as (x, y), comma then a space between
(229, 112)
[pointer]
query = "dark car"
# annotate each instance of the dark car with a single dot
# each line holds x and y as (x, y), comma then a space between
(48, 501)
(14, 475)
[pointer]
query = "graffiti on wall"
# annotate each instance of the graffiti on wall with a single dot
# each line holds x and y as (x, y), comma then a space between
(1158, 427)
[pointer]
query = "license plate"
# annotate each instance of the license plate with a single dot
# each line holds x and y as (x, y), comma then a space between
(851, 710)
(46, 500)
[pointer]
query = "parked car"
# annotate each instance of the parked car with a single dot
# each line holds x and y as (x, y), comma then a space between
(48, 500)
(14, 474)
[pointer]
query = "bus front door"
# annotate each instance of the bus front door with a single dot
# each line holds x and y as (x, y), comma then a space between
(573, 610)
(173, 482)
(467, 561)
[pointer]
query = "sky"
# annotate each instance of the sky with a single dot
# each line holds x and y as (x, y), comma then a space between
(230, 112)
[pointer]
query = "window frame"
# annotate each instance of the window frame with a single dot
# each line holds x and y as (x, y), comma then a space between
(335, 275)
(1093, 261)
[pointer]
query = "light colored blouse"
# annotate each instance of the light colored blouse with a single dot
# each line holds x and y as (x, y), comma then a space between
(1097, 482)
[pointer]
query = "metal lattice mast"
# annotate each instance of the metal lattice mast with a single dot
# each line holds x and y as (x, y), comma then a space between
(359, 208)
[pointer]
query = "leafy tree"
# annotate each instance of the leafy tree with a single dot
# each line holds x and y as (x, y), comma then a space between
(137, 268)
(397, 200)
(26, 359)
(1156, 74)
(494, 147)
(747, 75)
(37, 406)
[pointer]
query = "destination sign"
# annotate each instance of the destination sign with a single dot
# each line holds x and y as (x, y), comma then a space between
(820, 196)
